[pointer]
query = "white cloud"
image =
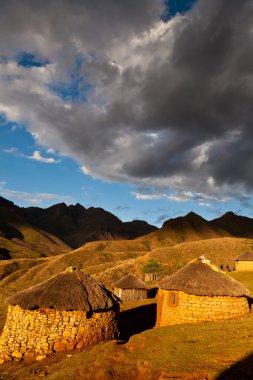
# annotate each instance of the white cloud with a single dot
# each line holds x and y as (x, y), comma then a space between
(36, 156)
(11, 150)
(145, 197)
(184, 196)
(85, 170)
(30, 198)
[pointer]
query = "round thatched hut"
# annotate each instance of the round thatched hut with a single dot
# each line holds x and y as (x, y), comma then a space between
(200, 292)
(131, 288)
(69, 310)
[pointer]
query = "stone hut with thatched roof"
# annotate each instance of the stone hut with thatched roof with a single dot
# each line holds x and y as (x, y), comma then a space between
(244, 262)
(200, 292)
(69, 310)
(131, 288)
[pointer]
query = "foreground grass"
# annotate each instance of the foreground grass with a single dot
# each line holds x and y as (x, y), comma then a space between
(189, 351)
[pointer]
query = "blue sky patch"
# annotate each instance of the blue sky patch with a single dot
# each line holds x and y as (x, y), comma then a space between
(76, 87)
(29, 60)
(172, 7)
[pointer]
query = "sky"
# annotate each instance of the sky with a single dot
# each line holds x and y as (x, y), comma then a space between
(143, 108)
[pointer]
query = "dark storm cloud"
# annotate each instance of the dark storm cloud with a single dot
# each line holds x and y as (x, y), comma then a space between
(168, 105)
(96, 23)
(203, 93)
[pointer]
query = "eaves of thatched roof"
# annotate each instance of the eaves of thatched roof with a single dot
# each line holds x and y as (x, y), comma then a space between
(245, 256)
(66, 291)
(130, 281)
(200, 277)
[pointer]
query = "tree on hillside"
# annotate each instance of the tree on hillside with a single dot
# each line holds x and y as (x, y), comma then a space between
(151, 266)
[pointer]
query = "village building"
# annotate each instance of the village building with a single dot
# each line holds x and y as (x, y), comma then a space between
(150, 277)
(131, 288)
(69, 310)
(200, 291)
(244, 262)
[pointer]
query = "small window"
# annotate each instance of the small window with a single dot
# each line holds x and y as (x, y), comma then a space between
(173, 299)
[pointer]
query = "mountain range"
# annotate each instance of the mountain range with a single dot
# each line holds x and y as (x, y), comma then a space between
(35, 232)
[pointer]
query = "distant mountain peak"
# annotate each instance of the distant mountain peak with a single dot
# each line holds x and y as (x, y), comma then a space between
(5, 203)
(59, 205)
(230, 213)
(193, 215)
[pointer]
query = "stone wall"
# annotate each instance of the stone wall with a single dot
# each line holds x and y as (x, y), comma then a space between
(32, 335)
(128, 295)
(244, 266)
(175, 307)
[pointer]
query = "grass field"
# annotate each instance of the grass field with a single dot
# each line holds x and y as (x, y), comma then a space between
(221, 350)
(210, 350)
(194, 351)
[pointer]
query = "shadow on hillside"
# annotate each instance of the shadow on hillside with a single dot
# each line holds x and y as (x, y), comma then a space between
(243, 370)
(137, 320)
(4, 254)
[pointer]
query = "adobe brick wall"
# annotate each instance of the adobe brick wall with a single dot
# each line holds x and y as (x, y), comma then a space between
(244, 266)
(193, 308)
(32, 335)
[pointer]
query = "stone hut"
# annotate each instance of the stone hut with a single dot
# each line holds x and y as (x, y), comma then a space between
(69, 310)
(244, 262)
(131, 288)
(200, 292)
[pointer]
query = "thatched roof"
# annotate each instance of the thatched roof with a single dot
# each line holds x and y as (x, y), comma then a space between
(246, 256)
(70, 290)
(130, 281)
(202, 278)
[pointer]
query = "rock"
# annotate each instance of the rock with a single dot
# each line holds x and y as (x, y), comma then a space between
(70, 345)
(66, 334)
(17, 355)
(29, 357)
(2, 361)
(79, 345)
(40, 357)
(60, 346)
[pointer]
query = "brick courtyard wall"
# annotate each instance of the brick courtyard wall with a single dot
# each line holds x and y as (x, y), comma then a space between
(32, 335)
(174, 307)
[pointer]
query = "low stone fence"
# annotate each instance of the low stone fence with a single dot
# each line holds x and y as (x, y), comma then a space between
(34, 334)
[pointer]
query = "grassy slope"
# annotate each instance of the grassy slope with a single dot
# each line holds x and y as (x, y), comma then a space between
(28, 241)
(220, 251)
(107, 264)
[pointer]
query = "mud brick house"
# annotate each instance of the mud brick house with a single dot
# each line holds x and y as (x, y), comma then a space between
(200, 292)
(244, 262)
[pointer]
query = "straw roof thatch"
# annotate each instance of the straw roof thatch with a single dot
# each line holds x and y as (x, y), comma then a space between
(70, 290)
(130, 281)
(246, 256)
(201, 278)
